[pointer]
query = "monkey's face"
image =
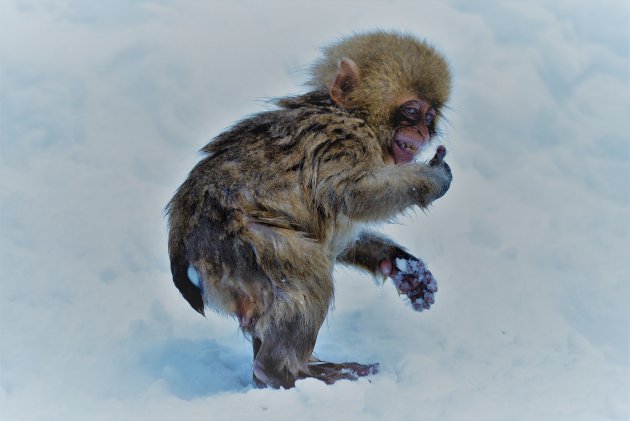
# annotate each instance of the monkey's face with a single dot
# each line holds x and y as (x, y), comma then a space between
(413, 123)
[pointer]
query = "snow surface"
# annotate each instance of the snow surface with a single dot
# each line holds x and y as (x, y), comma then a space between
(102, 105)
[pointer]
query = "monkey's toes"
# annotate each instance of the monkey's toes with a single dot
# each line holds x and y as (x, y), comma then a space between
(361, 370)
(331, 372)
(413, 279)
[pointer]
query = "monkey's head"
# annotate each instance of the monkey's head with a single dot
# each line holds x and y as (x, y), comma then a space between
(400, 82)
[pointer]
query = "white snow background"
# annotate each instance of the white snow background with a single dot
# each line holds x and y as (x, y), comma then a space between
(103, 106)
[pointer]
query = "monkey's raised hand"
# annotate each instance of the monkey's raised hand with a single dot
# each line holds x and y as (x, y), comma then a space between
(442, 171)
(411, 278)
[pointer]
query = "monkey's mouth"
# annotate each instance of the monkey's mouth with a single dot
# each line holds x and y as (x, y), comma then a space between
(405, 148)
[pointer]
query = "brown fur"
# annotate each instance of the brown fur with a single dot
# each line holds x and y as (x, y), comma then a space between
(280, 197)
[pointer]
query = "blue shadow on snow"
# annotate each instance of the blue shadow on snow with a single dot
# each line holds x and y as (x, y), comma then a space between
(197, 368)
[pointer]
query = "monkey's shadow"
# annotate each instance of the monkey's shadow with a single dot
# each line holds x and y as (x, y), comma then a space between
(192, 369)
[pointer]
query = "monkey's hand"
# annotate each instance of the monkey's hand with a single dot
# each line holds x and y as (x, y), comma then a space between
(441, 172)
(411, 278)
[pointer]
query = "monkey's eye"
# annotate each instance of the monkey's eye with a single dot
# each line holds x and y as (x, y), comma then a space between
(428, 118)
(411, 111)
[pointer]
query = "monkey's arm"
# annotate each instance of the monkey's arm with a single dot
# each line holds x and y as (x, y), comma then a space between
(382, 257)
(369, 250)
(367, 191)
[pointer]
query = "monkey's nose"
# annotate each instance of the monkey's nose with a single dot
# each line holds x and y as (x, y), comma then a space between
(423, 132)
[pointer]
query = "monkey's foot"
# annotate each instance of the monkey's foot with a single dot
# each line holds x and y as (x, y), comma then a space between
(324, 371)
(329, 373)
(412, 278)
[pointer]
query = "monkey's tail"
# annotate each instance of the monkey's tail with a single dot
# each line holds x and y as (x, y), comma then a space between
(191, 291)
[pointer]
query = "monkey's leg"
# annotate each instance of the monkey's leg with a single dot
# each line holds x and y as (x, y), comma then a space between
(283, 354)
(256, 343)
(286, 356)
(275, 364)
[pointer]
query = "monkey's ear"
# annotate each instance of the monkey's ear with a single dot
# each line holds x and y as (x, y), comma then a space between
(346, 79)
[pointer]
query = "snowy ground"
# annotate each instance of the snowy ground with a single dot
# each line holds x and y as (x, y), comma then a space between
(102, 107)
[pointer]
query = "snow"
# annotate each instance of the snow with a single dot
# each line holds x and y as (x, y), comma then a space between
(193, 276)
(102, 107)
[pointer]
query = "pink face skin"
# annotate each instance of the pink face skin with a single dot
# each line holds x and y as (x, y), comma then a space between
(413, 122)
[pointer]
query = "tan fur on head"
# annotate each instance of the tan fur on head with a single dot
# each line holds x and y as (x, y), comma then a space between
(392, 65)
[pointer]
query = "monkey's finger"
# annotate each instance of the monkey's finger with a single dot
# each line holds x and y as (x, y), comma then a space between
(440, 153)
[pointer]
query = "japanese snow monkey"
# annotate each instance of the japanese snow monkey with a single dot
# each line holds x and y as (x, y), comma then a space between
(282, 196)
